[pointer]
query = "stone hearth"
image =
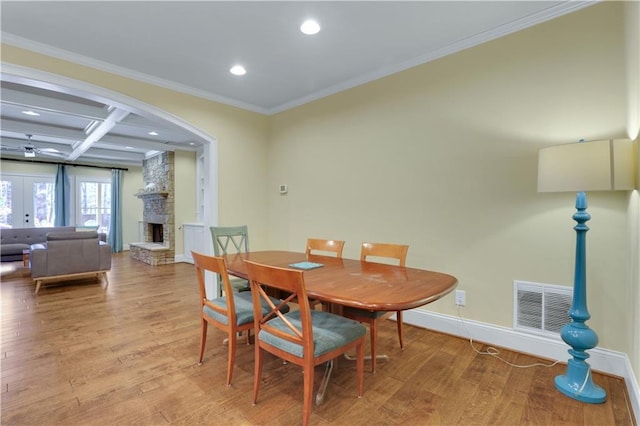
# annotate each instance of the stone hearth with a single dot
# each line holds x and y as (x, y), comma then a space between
(158, 211)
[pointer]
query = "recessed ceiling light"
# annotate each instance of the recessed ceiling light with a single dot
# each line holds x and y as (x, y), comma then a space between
(238, 70)
(31, 113)
(310, 27)
(152, 133)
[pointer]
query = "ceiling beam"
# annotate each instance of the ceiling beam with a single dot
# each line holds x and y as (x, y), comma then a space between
(98, 132)
(53, 104)
(40, 129)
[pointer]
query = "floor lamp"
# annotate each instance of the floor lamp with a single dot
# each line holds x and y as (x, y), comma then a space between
(579, 167)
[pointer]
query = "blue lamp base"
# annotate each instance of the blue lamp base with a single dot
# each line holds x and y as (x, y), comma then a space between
(577, 384)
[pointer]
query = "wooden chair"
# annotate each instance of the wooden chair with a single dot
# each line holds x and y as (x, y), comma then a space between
(304, 337)
(382, 250)
(238, 236)
(232, 313)
(324, 246)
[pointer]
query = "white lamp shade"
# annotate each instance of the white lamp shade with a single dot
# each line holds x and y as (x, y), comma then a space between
(587, 166)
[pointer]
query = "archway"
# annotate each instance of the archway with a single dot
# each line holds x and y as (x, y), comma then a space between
(37, 78)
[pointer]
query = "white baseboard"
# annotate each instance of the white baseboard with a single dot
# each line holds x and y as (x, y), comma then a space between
(602, 360)
(181, 258)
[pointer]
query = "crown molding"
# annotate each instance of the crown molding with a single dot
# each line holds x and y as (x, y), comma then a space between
(457, 46)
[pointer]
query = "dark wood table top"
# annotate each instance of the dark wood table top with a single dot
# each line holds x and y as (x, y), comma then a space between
(348, 282)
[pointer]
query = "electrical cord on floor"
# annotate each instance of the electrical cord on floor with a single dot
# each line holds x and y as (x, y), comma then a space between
(491, 351)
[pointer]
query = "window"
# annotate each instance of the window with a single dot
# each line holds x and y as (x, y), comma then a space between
(94, 204)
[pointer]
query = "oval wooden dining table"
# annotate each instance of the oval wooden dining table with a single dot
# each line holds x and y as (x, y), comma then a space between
(360, 284)
(348, 282)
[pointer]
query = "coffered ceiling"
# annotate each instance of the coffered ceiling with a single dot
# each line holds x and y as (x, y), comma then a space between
(190, 46)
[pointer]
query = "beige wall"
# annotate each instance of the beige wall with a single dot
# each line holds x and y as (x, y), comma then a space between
(632, 54)
(444, 157)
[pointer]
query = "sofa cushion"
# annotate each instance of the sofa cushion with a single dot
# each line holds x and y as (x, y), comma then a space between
(7, 249)
(86, 228)
(58, 236)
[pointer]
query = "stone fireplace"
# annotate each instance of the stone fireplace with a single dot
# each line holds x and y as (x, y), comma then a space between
(156, 232)
(158, 212)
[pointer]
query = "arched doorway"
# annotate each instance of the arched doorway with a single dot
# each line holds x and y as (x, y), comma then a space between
(207, 156)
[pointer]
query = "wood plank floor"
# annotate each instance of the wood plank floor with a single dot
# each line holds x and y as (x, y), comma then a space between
(78, 354)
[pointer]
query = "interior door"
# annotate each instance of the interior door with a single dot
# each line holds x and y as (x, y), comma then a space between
(26, 201)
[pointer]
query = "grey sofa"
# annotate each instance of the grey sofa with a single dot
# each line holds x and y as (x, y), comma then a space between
(14, 240)
(69, 255)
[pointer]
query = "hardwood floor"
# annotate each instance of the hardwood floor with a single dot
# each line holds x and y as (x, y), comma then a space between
(78, 354)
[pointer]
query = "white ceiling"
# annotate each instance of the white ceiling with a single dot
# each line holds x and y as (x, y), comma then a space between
(189, 46)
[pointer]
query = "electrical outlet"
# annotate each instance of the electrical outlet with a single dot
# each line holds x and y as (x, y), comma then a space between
(460, 298)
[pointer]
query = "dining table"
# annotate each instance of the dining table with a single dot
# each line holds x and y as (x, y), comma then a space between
(338, 282)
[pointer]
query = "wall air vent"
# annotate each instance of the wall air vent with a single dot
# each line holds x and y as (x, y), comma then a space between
(541, 308)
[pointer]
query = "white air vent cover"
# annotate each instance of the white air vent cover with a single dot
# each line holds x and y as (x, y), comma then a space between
(541, 308)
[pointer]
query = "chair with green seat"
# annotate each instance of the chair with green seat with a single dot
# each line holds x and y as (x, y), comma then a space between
(304, 337)
(229, 240)
(232, 313)
(378, 250)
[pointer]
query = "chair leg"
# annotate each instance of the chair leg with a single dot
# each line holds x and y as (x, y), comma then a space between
(399, 324)
(257, 372)
(203, 340)
(232, 356)
(373, 330)
(360, 368)
(308, 393)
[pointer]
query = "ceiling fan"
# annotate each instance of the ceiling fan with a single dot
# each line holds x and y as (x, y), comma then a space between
(30, 150)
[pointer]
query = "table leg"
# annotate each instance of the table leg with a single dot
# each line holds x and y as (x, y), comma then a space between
(328, 368)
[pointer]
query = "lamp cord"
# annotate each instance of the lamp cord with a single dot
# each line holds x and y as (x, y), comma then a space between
(495, 353)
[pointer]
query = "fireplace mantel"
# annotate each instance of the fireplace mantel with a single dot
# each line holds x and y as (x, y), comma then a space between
(152, 195)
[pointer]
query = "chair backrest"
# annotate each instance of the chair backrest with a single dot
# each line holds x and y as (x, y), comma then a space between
(216, 265)
(290, 281)
(391, 251)
(331, 246)
(221, 236)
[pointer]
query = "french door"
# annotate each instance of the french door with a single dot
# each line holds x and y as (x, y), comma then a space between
(27, 201)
